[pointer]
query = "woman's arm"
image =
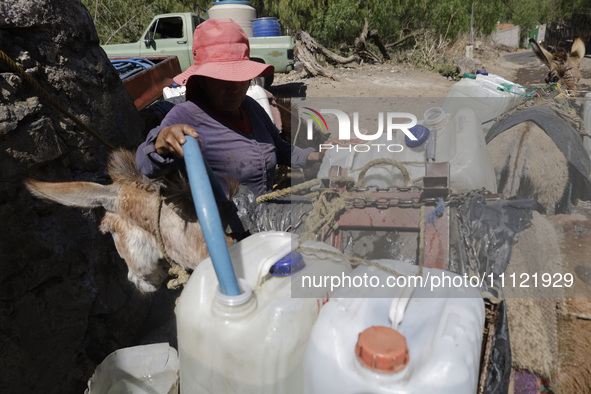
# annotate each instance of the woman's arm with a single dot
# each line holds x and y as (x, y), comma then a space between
(162, 148)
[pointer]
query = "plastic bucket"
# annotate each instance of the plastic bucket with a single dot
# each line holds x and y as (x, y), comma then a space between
(140, 369)
(266, 27)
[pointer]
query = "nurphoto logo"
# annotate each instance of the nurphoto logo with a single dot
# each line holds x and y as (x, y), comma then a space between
(402, 121)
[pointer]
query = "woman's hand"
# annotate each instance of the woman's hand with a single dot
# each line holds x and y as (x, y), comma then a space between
(315, 156)
(171, 139)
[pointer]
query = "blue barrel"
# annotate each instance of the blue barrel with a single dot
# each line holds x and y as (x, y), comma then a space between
(266, 27)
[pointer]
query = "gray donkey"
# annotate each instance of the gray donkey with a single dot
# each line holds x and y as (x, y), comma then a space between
(535, 153)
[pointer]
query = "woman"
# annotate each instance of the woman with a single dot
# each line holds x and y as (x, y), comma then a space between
(237, 137)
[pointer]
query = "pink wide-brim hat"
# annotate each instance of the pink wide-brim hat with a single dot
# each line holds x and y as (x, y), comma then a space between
(221, 51)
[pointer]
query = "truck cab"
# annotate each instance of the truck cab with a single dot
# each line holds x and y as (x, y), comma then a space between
(172, 35)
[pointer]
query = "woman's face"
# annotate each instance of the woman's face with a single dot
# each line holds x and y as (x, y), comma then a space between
(226, 96)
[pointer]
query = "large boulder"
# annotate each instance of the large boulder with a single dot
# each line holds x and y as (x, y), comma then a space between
(65, 302)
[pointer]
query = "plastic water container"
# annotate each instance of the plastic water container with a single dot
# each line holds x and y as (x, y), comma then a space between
(137, 370)
(487, 95)
(266, 27)
(259, 94)
(420, 342)
(174, 91)
(240, 11)
(258, 346)
(457, 138)
(587, 121)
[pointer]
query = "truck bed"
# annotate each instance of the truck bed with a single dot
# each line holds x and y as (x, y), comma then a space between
(146, 86)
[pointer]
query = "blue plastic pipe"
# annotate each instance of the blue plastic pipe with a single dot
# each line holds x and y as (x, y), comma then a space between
(209, 217)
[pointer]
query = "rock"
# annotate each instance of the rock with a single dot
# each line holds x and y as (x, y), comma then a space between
(65, 302)
(467, 65)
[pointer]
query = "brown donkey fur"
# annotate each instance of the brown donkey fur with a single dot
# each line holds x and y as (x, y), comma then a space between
(526, 161)
(550, 327)
(131, 203)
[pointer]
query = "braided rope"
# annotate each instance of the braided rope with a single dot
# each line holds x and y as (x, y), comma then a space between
(288, 190)
(378, 162)
(329, 204)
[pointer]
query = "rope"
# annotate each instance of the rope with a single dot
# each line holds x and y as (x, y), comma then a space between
(181, 276)
(378, 162)
(283, 192)
(327, 207)
(16, 68)
(354, 261)
(551, 96)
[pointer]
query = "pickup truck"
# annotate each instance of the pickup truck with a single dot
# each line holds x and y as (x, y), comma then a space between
(172, 35)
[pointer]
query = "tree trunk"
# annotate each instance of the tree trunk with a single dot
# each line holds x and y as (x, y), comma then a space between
(312, 45)
(310, 64)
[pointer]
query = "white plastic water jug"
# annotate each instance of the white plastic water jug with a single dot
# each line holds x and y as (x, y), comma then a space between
(174, 91)
(587, 121)
(488, 95)
(257, 346)
(259, 94)
(457, 137)
(434, 348)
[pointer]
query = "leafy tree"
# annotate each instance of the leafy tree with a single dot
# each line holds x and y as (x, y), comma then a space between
(341, 22)
(526, 14)
(334, 22)
(294, 15)
(124, 20)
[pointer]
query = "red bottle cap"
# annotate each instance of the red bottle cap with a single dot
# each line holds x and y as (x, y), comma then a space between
(382, 349)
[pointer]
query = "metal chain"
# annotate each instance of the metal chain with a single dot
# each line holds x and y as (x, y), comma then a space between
(470, 247)
(360, 202)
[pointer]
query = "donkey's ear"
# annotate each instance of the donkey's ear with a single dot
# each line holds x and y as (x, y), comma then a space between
(75, 194)
(542, 54)
(577, 52)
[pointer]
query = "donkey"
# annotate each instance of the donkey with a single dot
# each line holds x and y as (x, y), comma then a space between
(527, 161)
(131, 203)
(563, 66)
(549, 332)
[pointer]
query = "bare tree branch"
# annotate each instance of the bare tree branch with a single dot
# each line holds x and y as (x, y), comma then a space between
(312, 45)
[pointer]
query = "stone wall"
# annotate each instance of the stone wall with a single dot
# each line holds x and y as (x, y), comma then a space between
(65, 302)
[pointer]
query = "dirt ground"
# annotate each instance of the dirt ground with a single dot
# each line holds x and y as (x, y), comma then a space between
(400, 80)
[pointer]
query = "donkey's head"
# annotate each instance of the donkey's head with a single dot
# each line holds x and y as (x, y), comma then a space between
(132, 203)
(564, 66)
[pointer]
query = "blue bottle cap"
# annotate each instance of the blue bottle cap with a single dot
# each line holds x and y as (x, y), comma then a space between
(175, 85)
(482, 72)
(421, 133)
(288, 265)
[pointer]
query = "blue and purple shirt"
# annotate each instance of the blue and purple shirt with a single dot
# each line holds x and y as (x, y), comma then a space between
(248, 158)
